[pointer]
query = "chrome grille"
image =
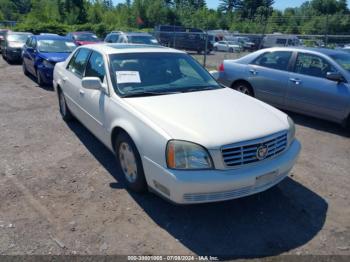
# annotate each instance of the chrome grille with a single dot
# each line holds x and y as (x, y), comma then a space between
(246, 152)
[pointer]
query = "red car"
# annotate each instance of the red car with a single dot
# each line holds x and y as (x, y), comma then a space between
(83, 38)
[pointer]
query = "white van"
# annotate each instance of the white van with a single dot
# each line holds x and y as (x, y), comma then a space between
(277, 40)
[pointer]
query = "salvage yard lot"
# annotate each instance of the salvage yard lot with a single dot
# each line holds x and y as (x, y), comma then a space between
(61, 193)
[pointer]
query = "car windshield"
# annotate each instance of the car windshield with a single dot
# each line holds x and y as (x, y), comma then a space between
(56, 46)
(22, 38)
(343, 60)
(86, 37)
(159, 73)
(142, 39)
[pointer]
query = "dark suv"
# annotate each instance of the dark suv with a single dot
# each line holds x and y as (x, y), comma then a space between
(191, 39)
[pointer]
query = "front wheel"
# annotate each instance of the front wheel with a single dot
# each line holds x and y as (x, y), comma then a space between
(244, 88)
(129, 162)
(39, 78)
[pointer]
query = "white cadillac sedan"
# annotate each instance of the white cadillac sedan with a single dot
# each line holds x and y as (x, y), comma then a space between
(172, 127)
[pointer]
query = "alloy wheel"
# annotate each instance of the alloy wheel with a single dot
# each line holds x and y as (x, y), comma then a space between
(127, 161)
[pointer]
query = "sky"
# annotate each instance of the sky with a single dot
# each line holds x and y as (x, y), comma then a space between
(279, 4)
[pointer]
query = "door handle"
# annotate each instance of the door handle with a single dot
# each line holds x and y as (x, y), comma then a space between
(64, 79)
(295, 81)
(254, 72)
(81, 92)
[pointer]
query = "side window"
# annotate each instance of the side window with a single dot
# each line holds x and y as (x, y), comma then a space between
(95, 67)
(28, 42)
(276, 60)
(78, 62)
(33, 43)
(312, 65)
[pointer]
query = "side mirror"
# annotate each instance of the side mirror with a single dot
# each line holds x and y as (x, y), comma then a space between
(334, 76)
(93, 83)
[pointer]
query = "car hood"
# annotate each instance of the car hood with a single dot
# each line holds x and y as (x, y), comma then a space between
(211, 118)
(55, 57)
(15, 45)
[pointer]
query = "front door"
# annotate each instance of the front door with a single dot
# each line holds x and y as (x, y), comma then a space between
(93, 102)
(310, 92)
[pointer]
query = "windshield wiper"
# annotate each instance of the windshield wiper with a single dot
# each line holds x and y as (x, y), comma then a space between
(200, 88)
(148, 93)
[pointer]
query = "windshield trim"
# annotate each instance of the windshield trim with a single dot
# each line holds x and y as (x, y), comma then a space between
(159, 92)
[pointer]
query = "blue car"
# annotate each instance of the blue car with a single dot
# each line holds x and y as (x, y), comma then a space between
(42, 52)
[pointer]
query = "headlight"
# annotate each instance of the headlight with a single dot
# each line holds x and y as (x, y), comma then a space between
(291, 132)
(48, 64)
(187, 155)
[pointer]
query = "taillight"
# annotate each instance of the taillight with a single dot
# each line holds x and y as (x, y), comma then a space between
(221, 67)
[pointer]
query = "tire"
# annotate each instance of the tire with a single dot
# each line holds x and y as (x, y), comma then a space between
(64, 110)
(244, 88)
(129, 163)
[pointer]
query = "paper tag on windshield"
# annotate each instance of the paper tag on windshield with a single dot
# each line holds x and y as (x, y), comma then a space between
(128, 77)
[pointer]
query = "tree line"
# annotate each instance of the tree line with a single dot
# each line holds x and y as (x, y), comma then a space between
(246, 16)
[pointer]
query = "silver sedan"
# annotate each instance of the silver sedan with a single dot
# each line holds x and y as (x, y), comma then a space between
(310, 81)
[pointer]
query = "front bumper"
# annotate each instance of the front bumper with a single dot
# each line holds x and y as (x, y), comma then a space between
(188, 187)
(14, 54)
(46, 74)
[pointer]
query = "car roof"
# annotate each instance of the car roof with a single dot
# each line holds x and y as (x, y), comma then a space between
(325, 51)
(51, 37)
(130, 48)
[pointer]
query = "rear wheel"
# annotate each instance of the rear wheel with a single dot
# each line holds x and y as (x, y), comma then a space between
(243, 88)
(64, 110)
(129, 162)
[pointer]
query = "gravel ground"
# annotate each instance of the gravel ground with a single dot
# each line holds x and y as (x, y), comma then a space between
(62, 194)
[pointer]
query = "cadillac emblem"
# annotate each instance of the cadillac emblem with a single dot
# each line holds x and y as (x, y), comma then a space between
(261, 152)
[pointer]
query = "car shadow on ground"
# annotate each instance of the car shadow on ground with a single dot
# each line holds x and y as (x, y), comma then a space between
(270, 223)
(318, 124)
(44, 87)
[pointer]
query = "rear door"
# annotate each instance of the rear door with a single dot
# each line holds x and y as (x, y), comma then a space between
(310, 92)
(71, 81)
(269, 76)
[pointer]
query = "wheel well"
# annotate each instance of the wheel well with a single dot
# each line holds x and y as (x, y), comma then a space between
(241, 81)
(116, 131)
